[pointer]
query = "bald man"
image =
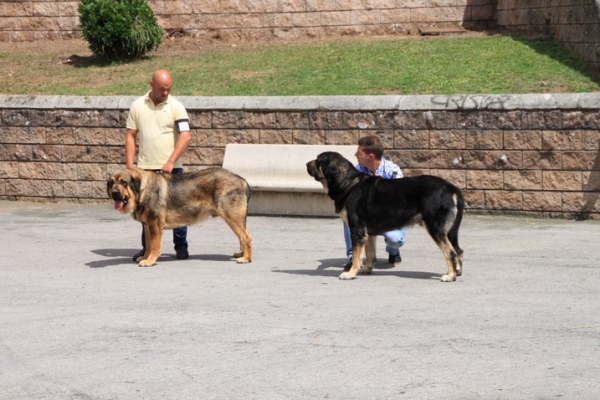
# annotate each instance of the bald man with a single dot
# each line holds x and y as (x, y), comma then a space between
(162, 125)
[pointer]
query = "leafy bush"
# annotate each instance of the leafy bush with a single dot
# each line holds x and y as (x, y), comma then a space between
(119, 29)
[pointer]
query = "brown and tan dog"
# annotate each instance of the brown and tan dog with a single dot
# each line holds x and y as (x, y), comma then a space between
(165, 201)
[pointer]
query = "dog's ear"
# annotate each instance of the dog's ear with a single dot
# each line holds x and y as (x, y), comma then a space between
(327, 166)
(136, 181)
(109, 185)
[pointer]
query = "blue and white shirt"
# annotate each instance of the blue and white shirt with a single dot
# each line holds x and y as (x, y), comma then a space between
(387, 169)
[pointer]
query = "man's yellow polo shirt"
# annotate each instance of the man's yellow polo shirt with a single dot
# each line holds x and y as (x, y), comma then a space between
(156, 129)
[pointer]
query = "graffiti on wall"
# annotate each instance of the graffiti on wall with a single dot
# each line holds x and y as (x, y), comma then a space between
(472, 102)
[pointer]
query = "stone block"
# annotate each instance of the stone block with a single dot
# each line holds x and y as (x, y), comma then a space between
(580, 160)
(429, 159)
(503, 200)
(380, 4)
(15, 117)
(198, 156)
(523, 180)
(259, 120)
(488, 159)
(591, 140)
(62, 135)
(456, 177)
(221, 137)
(34, 188)
(276, 136)
(484, 139)
(545, 160)
(304, 136)
(106, 118)
(91, 172)
(341, 137)
(562, 140)
(581, 202)
(16, 152)
(228, 119)
(474, 199)
(47, 153)
(542, 201)
(200, 119)
(47, 170)
(89, 135)
(365, 17)
(411, 139)
(450, 139)
(485, 179)
(591, 181)
(16, 8)
(523, 140)
(538, 120)
(562, 180)
(292, 120)
(413, 120)
(9, 169)
(330, 18)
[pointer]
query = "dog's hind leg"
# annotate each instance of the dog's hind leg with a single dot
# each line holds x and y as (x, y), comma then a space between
(440, 237)
(453, 233)
(453, 238)
(451, 260)
(237, 223)
(153, 237)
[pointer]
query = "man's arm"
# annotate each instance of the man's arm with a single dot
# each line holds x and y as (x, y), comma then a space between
(182, 143)
(130, 139)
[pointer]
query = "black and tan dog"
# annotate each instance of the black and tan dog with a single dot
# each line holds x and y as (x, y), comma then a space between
(372, 205)
(166, 201)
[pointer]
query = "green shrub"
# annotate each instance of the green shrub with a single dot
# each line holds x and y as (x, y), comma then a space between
(119, 29)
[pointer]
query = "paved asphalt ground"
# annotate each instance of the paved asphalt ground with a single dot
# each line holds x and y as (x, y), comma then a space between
(79, 320)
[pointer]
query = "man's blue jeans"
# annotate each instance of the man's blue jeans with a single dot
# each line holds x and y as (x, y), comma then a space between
(393, 240)
(179, 234)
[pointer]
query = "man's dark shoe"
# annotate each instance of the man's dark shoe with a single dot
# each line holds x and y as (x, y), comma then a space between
(393, 259)
(139, 254)
(182, 252)
(348, 266)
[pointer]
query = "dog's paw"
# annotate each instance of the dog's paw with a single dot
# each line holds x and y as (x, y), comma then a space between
(346, 276)
(243, 260)
(448, 278)
(145, 263)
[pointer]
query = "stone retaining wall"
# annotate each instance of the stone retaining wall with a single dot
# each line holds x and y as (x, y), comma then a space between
(527, 154)
(574, 23)
(25, 20)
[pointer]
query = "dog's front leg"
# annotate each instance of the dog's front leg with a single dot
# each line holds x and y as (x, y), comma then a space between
(370, 253)
(153, 237)
(358, 244)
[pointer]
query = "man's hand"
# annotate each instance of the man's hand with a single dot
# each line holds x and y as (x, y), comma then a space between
(167, 168)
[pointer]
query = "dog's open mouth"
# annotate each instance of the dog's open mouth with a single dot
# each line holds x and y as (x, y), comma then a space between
(119, 200)
(119, 204)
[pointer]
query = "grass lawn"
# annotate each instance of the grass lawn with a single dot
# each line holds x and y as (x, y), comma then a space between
(474, 63)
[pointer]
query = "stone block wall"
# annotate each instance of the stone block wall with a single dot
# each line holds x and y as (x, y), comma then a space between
(26, 20)
(524, 154)
(575, 23)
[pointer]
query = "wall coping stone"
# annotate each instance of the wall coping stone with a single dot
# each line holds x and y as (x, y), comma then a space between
(564, 101)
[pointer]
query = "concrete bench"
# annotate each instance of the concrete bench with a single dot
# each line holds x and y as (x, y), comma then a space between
(278, 178)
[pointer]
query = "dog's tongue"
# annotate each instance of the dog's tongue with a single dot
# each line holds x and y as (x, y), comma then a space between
(118, 205)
